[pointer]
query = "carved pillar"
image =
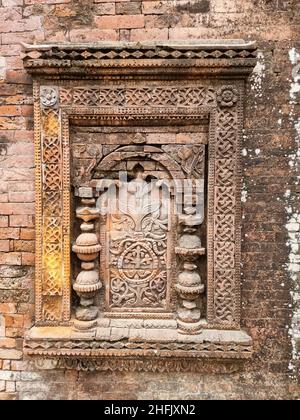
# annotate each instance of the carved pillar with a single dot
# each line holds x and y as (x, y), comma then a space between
(87, 248)
(189, 285)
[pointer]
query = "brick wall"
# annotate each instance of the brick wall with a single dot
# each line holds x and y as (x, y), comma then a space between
(270, 262)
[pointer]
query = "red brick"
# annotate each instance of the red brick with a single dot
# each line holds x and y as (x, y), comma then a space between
(18, 162)
(149, 34)
(4, 245)
(3, 198)
(28, 258)
(27, 234)
(9, 3)
(6, 110)
(19, 197)
(12, 258)
(31, 24)
(156, 7)
(23, 149)
(21, 221)
(25, 246)
(16, 208)
(9, 233)
(16, 186)
(7, 308)
(93, 35)
(7, 343)
(108, 8)
(3, 221)
(18, 37)
(120, 22)
(24, 135)
(14, 321)
(46, 1)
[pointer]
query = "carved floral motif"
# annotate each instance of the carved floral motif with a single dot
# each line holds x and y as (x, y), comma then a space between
(227, 96)
(49, 96)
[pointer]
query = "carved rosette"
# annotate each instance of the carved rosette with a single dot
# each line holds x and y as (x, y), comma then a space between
(49, 96)
(227, 96)
(189, 283)
(87, 248)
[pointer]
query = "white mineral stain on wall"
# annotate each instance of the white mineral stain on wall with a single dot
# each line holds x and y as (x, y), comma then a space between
(293, 211)
(258, 75)
(2, 69)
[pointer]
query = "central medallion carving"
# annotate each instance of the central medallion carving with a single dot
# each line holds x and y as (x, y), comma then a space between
(138, 229)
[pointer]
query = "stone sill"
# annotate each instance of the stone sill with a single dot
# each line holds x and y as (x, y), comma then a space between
(119, 342)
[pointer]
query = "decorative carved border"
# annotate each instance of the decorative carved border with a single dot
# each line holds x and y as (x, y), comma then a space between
(224, 105)
(143, 364)
(231, 57)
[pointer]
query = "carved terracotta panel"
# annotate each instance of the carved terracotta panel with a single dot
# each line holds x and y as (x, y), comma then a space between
(159, 127)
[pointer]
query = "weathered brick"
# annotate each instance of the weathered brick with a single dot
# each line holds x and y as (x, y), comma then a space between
(9, 233)
(6, 396)
(149, 34)
(7, 308)
(23, 246)
(129, 8)
(4, 245)
(28, 258)
(103, 34)
(120, 22)
(3, 221)
(27, 234)
(10, 354)
(21, 197)
(12, 258)
(21, 221)
(106, 8)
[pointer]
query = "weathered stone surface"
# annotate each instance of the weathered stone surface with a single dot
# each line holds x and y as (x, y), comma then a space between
(269, 151)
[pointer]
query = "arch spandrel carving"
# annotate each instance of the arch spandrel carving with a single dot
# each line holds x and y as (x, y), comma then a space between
(169, 128)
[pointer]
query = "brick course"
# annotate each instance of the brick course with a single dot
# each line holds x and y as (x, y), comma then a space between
(269, 145)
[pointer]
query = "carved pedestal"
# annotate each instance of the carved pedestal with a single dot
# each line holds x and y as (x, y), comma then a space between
(87, 249)
(189, 286)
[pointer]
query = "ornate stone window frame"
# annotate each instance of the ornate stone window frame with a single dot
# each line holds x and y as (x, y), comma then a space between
(106, 82)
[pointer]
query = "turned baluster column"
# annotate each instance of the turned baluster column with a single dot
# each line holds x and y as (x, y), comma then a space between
(189, 284)
(87, 248)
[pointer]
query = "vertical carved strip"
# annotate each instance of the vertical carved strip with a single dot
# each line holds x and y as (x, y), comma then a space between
(238, 210)
(39, 203)
(226, 209)
(66, 198)
(210, 217)
(51, 289)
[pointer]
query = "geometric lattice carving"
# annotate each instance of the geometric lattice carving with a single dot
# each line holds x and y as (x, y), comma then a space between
(51, 150)
(52, 309)
(52, 177)
(227, 119)
(226, 144)
(225, 172)
(225, 295)
(224, 228)
(224, 255)
(156, 96)
(52, 203)
(53, 230)
(224, 200)
(50, 122)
